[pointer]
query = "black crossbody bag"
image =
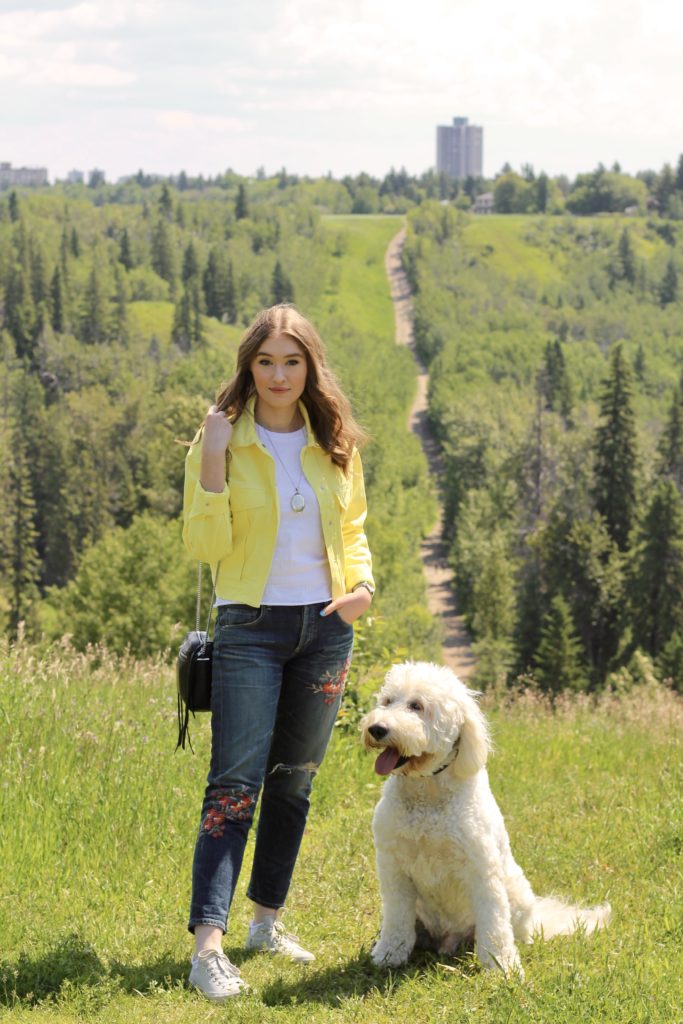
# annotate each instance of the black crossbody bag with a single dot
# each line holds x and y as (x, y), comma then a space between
(193, 668)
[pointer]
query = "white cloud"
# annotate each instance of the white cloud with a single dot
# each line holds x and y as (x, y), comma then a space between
(184, 121)
(354, 76)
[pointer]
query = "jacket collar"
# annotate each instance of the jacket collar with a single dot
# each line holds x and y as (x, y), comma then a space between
(244, 432)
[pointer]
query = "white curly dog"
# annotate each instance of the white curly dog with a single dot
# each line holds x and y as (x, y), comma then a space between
(443, 855)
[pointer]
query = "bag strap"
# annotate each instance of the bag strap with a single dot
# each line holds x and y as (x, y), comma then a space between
(198, 609)
(184, 712)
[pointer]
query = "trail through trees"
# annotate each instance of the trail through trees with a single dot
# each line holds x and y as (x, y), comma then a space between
(457, 648)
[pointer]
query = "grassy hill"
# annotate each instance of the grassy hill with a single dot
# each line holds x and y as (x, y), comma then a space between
(97, 822)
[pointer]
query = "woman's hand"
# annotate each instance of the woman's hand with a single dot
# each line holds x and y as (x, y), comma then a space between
(351, 606)
(215, 440)
(217, 432)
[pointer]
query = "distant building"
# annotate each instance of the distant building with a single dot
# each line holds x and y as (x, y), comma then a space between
(11, 176)
(484, 203)
(75, 178)
(460, 149)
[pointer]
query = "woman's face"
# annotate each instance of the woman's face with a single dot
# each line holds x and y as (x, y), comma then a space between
(279, 371)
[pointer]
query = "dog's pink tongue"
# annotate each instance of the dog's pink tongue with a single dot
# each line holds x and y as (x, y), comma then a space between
(387, 761)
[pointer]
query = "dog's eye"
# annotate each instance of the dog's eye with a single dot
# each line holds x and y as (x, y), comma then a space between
(385, 701)
(415, 705)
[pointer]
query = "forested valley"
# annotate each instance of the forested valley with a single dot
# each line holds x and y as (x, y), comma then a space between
(554, 344)
(555, 349)
(121, 314)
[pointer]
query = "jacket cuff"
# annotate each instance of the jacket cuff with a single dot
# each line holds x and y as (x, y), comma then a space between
(210, 503)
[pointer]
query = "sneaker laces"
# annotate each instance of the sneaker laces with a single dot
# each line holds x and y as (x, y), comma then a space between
(282, 936)
(219, 965)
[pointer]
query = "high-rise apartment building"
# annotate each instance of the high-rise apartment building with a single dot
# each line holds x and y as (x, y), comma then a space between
(10, 176)
(460, 149)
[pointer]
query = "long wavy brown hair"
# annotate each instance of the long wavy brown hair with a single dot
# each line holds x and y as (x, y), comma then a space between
(328, 408)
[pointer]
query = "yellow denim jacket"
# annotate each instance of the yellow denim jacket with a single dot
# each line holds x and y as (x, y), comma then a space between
(238, 527)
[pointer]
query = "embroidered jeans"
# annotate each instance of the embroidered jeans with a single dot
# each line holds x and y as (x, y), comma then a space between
(278, 677)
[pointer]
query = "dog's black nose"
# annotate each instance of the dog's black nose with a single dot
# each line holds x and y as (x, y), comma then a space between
(378, 732)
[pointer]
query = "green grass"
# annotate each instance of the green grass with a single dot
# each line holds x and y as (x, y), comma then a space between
(531, 246)
(97, 822)
(361, 292)
(147, 318)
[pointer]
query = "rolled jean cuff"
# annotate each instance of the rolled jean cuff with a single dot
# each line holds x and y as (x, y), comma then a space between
(264, 903)
(209, 922)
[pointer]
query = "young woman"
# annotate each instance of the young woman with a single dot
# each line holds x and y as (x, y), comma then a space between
(285, 540)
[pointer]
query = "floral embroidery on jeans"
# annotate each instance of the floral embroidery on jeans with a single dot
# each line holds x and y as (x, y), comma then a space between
(331, 686)
(235, 806)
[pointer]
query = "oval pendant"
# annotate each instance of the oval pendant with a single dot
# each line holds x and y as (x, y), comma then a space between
(298, 503)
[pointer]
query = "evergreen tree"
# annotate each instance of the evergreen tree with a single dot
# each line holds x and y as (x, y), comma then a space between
(57, 310)
(627, 259)
(615, 451)
(94, 326)
(558, 659)
(125, 255)
(656, 577)
(212, 285)
(553, 381)
(668, 290)
(281, 286)
(163, 254)
(13, 204)
(20, 311)
(492, 611)
(187, 330)
(670, 447)
(39, 288)
(64, 255)
(75, 244)
(241, 203)
(166, 203)
(190, 264)
(578, 558)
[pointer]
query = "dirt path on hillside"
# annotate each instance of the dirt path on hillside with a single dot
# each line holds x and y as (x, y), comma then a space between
(457, 648)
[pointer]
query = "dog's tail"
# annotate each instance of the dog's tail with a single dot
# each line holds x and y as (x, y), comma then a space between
(553, 917)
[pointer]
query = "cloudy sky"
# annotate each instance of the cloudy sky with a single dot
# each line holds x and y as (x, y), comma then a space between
(337, 85)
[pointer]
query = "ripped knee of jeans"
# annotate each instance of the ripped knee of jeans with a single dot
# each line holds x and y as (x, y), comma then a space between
(227, 804)
(309, 767)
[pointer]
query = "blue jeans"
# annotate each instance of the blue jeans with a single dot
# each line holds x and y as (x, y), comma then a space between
(278, 678)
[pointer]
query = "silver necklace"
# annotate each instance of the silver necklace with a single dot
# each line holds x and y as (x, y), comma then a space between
(297, 502)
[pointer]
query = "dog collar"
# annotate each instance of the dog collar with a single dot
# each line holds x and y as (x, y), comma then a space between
(451, 757)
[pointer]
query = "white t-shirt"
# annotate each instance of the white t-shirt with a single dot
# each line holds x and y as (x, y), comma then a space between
(300, 572)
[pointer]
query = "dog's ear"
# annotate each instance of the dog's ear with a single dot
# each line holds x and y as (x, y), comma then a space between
(475, 740)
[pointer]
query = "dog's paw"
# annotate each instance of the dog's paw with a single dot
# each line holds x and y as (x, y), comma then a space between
(507, 961)
(387, 954)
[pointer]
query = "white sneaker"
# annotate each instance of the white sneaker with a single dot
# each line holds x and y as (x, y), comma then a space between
(270, 937)
(215, 977)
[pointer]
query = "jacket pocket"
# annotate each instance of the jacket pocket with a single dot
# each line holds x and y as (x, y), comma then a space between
(244, 498)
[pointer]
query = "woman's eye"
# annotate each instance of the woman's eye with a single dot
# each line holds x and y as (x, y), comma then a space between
(415, 705)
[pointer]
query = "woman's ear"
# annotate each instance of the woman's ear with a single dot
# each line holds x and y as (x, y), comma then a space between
(475, 740)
